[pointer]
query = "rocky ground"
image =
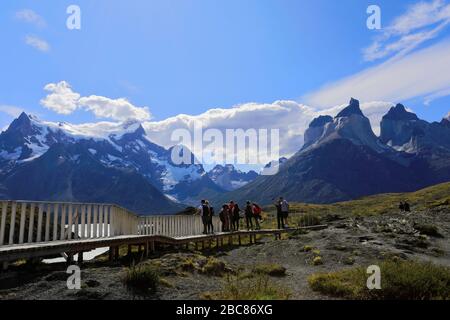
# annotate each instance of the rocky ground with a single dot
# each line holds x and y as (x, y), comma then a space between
(347, 242)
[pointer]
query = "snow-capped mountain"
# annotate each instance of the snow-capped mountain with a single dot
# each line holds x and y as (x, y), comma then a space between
(343, 159)
(229, 178)
(121, 146)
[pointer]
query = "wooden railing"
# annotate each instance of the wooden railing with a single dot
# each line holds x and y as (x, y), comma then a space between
(173, 226)
(35, 221)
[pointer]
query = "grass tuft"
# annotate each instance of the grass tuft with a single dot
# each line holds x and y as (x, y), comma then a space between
(400, 280)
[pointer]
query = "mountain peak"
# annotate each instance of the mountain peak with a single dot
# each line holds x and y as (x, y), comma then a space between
(399, 112)
(351, 109)
(22, 124)
(446, 120)
(320, 121)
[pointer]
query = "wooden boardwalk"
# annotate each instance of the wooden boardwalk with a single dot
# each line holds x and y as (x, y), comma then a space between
(36, 229)
(149, 243)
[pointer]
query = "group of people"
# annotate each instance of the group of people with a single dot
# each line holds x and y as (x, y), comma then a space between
(230, 216)
(404, 206)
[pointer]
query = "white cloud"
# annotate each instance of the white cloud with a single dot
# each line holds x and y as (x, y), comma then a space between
(37, 43)
(12, 111)
(290, 117)
(29, 16)
(422, 73)
(421, 22)
(63, 100)
(117, 109)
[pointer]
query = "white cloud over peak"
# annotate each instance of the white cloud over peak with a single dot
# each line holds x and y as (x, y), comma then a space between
(118, 109)
(63, 100)
(421, 22)
(290, 117)
(29, 16)
(423, 73)
(37, 43)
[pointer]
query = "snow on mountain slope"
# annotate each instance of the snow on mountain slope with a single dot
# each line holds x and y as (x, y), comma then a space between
(123, 145)
(230, 178)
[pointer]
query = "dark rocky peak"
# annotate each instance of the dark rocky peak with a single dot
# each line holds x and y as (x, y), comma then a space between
(398, 113)
(22, 125)
(352, 109)
(320, 121)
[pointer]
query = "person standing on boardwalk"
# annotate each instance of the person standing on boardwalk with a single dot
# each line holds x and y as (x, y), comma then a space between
(204, 213)
(209, 225)
(224, 216)
(249, 215)
(234, 215)
(284, 211)
(280, 219)
(257, 211)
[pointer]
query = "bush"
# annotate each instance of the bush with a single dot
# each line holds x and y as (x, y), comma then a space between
(250, 288)
(214, 267)
(428, 229)
(272, 269)
(317, 261)
(142, 278)
(400, 280)
(308, 220)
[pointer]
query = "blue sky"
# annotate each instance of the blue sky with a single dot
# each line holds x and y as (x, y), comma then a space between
(193, 55)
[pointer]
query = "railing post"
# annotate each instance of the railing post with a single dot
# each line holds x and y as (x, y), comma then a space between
(12, 223)
(3, 221)
(63, 221)
(31, 223)
(23, 213)
(39, 223)
(70, 222)
(100, 220)
(55, 221)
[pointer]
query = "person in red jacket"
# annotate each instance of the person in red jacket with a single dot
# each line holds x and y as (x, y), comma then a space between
(257, 211)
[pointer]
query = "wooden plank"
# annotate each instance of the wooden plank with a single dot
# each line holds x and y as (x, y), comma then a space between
(89, 221)
(63, 221)
(94, 223)
(3, 222)
(23, 216)
(76, 221)
(31, 223)
(47, 222)
(70, 222)
(106, 221)
(55, 221)
(100, 220)
(83, 222)
(39, 223)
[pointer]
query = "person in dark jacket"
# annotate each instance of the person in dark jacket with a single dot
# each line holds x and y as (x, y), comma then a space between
(249, 215)
(209, 225)
(234, 215)
(224, 216)
(280, 218)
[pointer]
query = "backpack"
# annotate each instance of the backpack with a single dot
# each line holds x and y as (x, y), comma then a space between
(257, 210)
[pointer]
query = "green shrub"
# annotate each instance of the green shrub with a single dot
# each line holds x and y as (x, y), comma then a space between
(250, 288)
(142, 278)
(271, 269)
(400, 280)
(317, 261)
(308, 219)
(428, 229)
(214, 267)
